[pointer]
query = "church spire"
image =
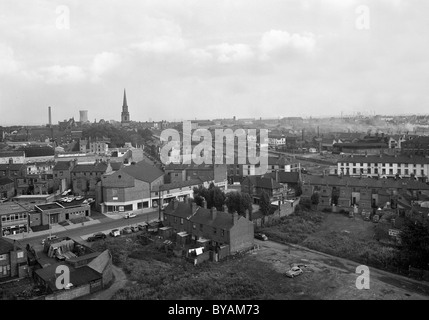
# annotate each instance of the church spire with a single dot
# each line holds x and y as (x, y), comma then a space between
(125, 106)
(125, 115)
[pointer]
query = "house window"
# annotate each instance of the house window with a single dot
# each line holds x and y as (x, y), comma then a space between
(223, 232)
(354, 170)
(194, 226)
(201, 227)
(181, 220)
(390, 171)
(175, 219)
(3, 257)
(399, 171)
(369, 170)
(20, 254)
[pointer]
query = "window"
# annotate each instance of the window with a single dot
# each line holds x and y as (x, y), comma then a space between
(214, 230)
(194, 226)
(369, 170)
(20, 254)
(181, 220)
(3, 219)
(390, 171)
(201, 227)
(3, 257)
(223, 232)
(399, 171)
(354, 170)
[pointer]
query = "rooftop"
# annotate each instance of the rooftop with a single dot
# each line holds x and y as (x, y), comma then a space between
(6, 246)
(49, 206)
(4, 181)
(11, 207)
(385, 159)
(143, 171)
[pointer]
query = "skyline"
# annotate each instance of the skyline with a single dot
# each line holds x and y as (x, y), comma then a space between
(195, 59)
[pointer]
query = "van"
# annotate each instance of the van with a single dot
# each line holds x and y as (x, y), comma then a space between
(115, 233)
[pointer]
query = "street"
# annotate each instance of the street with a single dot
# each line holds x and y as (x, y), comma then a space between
(104, 225)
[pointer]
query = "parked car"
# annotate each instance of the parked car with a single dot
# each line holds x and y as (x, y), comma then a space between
(293, 272)
(126, 230)
(142, 227)
(96, 236)
(130, 215)
(135, 229)
(49, 238)
(261, 236)
(115, 233)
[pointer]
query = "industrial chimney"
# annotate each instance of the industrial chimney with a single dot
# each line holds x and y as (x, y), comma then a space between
(50, 117)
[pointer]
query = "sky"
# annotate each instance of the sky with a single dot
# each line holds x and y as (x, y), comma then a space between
(200, 59)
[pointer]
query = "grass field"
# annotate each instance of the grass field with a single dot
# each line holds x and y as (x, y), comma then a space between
(336, 234)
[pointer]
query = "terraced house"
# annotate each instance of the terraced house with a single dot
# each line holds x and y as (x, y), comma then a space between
(202, 225)
(13, 260)
(384, 166)
(86, 176)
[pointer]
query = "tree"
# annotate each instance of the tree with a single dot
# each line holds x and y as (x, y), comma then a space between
(265, 203)
(298, 190)
(238, 202)
(214, 196)
(415, 242)
(315, 198)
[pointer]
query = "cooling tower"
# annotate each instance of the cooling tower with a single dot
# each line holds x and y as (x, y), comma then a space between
(83, 116)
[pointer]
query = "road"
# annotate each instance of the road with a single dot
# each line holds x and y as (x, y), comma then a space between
(104, 225)
(335, 277)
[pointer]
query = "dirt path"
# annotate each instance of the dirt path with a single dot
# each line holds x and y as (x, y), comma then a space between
(120, 282)
(333, 278)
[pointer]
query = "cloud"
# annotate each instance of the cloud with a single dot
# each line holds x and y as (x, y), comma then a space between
(104, 63)
(227, 53)
(278, 41)
(8, 62)
(58, 74)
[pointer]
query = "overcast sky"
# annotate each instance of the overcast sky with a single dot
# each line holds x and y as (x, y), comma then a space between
(186, 59)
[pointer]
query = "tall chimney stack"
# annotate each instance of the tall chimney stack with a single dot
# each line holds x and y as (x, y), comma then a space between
(50, 116)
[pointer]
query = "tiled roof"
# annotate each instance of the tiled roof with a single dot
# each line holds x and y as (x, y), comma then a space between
(284, 177)
(262, 182)
(13, 166)
(223, 220)
(5, 181)
(143, 171)
(62, 165)
(116, 165)
(409, 184)
(385, 159)
(7, 154)
(5, 246)
(100, 167)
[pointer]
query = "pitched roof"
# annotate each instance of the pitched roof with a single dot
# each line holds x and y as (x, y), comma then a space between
(116, 165)
(96, 167)
(5, 181)
(385, 159)
(408, 184)
(262, 182)
(143, 171)
(100, 263)
(13, 166)
(5, 246)
(78, 277)
(175, 185)
(5, 154)
(222, 220)
(284, 177)
(62, 165)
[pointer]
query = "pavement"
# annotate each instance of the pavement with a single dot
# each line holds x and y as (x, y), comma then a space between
(102, 218)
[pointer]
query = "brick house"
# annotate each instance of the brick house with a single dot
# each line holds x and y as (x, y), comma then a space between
(7, 188)
(13, 260)
(86, 176)
(255, 185)
(62, 175)
(129, 188)
(219, 227)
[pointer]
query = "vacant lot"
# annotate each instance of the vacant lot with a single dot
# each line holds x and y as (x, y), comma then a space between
(336, 234)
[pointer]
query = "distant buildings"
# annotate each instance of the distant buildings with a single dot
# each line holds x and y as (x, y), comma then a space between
(384, 166)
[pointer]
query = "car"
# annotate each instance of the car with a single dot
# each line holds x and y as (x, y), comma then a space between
(261, 236)
(79, 198)
(126, 230)
(115, 233)
(50, 238)
(135, 229)
(142, 227)
(96, 236)
(130, 215)
(293, 272)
